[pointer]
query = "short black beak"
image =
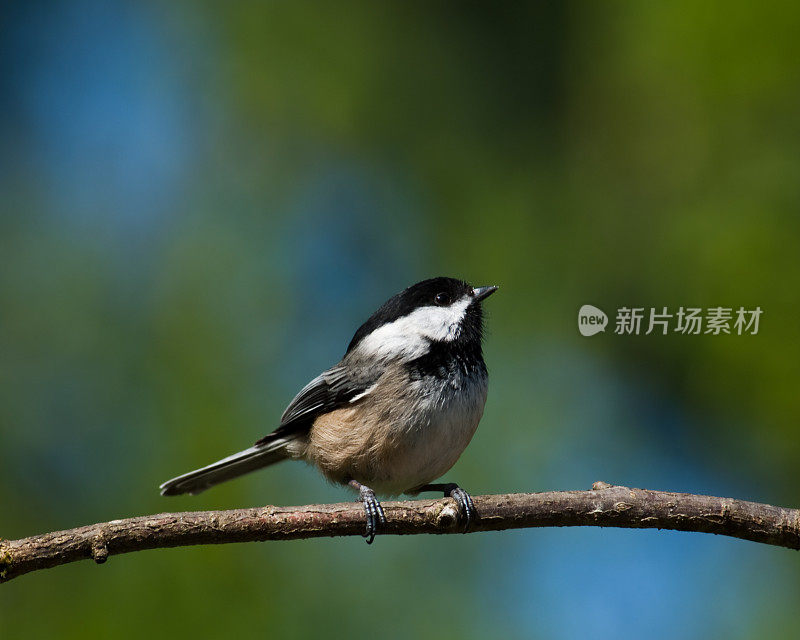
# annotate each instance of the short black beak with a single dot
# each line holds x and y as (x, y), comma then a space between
(483, 292)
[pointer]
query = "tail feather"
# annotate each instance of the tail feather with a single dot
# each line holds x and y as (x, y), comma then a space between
(228, 468)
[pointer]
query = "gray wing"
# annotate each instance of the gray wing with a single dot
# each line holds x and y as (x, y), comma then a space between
(328, 391)
(335, 388)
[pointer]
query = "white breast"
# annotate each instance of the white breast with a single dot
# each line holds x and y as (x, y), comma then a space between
(427, 447)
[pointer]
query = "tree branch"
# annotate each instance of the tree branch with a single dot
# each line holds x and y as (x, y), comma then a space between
(603, 506)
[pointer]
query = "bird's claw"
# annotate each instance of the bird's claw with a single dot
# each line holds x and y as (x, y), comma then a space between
(465, 504)
(374, 512)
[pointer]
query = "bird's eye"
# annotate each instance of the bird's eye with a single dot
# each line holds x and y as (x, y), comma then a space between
(442, 299)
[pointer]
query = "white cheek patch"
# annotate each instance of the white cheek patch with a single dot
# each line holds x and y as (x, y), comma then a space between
(411, 335)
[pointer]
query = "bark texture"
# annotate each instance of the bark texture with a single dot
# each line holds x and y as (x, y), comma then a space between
(603, 506)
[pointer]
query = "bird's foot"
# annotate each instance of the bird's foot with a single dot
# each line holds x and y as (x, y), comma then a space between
(372, 509)
(464, 501)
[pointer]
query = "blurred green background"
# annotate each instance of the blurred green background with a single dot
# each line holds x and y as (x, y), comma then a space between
(199, 202)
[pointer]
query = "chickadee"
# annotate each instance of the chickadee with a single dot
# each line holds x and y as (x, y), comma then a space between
(394, 414)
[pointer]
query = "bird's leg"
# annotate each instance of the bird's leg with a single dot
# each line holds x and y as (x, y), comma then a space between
(462, 498)
(372, 509)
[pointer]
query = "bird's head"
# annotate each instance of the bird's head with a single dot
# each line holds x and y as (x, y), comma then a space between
(435, 310)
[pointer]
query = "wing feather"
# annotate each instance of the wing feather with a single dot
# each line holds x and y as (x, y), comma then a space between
(326, 392)
(330, 390)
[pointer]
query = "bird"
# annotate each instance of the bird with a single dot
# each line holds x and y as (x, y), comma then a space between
(394, 414)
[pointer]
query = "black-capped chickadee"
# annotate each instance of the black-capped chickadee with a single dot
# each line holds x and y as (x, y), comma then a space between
(394, 414)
